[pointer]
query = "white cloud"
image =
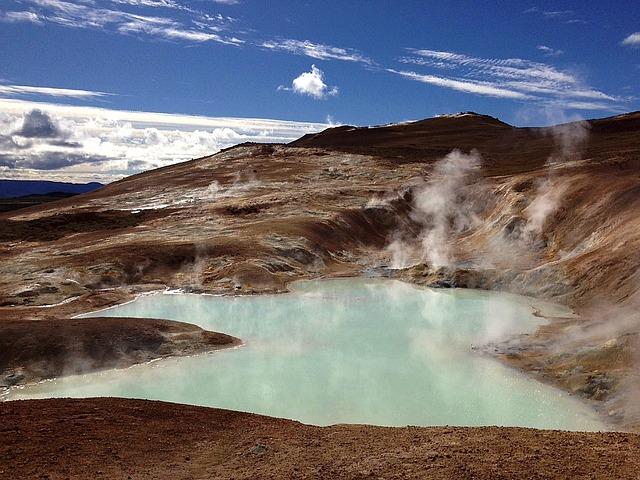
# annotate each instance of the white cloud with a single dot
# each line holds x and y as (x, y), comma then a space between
(560, 105)
(632, 40)
(467, 86)
(152, 3)
(565, 16)
(316, 50)
(514, 78)
(312, 84)
(193, 26)
(172, 32)
(88, 16)
(18, 90)
(557, 13)
(549, 52)
(22, 16)
(47, 140)
(511, 68)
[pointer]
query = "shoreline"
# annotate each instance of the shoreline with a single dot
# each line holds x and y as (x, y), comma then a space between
(536, 305)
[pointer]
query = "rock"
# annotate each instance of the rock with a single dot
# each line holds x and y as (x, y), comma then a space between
(259, 449)
(14, 378)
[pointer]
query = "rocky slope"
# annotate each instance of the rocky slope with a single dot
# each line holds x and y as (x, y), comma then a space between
(548, 212)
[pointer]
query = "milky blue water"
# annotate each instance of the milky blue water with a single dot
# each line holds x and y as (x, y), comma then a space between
(345, 351)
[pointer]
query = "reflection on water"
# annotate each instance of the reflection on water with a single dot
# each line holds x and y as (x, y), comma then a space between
(346, 351)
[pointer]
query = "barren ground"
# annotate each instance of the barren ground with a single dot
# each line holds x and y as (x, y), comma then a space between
(118, 438)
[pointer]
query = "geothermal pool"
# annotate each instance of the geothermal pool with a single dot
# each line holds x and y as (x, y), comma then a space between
(346, 351)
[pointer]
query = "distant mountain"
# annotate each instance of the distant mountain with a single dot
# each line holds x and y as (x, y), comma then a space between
(20, 188)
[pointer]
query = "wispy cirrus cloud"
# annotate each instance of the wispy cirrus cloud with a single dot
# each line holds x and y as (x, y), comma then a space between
(316, 50)
(20, 16)
(514, 78)
(467, 86)
(187, 24)
(176, 20)
(565, 16)
(153, 3)
(195, 28)
(632, 40)
(560, 105)
(21, 90)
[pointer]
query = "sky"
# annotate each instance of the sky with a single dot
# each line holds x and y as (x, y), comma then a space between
(94, 90)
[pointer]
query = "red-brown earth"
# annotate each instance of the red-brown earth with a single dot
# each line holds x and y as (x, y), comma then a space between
(111, 438)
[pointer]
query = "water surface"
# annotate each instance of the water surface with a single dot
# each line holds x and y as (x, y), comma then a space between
(345, 351)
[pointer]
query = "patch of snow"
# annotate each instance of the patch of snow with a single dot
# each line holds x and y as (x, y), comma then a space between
(457, 115)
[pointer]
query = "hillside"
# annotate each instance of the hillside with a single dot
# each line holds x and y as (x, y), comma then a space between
(548, 212)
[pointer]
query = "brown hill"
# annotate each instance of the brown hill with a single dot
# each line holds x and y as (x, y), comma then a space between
(550, 212)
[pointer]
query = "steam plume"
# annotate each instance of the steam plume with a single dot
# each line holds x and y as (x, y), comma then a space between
(441, 208)
(569, 142)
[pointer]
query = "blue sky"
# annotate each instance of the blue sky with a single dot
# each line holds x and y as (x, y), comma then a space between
(84, 66)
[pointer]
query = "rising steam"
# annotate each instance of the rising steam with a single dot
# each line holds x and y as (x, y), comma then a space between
(441, 208)
(570, 140)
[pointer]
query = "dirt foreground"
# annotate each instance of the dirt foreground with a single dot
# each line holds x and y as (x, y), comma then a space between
(131, 439)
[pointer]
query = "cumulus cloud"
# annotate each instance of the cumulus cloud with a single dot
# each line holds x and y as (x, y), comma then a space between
(37, 124)
(39, 142)
(513, 78)
(311, 83)
(632, 40)
(46, 140)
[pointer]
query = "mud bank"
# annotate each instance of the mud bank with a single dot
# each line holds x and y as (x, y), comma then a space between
(35, 350)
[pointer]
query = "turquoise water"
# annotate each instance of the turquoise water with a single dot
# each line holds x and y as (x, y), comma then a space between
(345, 351)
